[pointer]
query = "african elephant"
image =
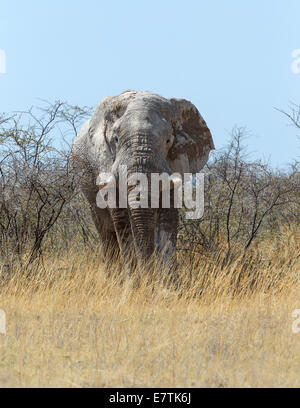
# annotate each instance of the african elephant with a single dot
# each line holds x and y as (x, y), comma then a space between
(148, 134)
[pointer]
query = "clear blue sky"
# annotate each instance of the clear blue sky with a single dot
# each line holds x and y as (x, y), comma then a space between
(231, 58)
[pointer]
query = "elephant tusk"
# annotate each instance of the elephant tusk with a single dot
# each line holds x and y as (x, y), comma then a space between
(105, 182)
(177, 182)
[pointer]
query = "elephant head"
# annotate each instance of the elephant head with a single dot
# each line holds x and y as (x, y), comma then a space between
(149, 134)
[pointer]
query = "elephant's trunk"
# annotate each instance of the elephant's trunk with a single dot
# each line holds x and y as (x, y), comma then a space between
(143, 219)
(142, 225)
(143, 158)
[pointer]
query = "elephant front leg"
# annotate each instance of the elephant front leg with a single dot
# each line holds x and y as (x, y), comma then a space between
(166, 238)
(124, 236)
(105, 228)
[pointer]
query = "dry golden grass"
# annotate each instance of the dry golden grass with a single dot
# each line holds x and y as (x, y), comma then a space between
(229, 324)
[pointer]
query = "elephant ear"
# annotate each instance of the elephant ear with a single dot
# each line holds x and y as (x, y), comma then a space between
(192, 138)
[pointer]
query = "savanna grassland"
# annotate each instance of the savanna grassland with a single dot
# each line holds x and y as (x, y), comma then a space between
(74, 319)
(73, 322)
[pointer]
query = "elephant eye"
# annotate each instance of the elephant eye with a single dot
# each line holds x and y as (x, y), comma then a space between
(116, 139)
(168, 140)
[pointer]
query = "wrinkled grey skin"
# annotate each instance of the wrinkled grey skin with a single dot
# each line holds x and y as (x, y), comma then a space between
(149, 134)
